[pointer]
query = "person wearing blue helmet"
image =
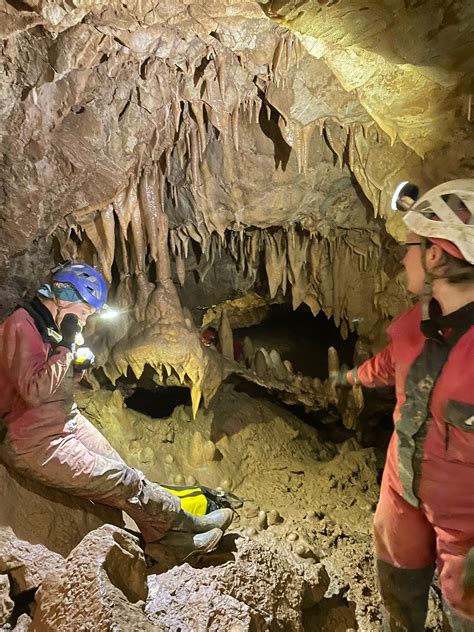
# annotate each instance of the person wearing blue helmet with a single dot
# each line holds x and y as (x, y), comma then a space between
(47, 439)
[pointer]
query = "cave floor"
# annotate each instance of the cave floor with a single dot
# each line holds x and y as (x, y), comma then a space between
(312, 497)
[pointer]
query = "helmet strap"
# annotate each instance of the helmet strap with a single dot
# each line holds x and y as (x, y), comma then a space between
(427, 292)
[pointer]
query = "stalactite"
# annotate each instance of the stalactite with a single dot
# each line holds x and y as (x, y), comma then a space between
(122, 210)
(235, 127)
(67, 245)
(275, 263)
(277, 55)
(93, 231)
(106, 230)
(195, 152)
(149, 210)
(298, 50)
(143, 291)
(305, 135)
(138, 238)
(122, 259)
(197, 109)
(180, 269)
(220, 66)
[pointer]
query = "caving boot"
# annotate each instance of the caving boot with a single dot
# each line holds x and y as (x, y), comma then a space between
(184, 543)
(220, 519)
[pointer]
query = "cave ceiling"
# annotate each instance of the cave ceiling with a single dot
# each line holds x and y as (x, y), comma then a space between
(138, 133)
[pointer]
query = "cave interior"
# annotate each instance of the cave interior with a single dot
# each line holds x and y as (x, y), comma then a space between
(228, 167)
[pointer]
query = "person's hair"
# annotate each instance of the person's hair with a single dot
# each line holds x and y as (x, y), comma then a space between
(452, 269)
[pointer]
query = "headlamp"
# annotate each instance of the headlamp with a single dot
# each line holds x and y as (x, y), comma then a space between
(108, 313)
(404, 196)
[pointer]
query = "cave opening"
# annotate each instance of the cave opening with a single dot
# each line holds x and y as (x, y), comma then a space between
(158, 402)
(301, 338)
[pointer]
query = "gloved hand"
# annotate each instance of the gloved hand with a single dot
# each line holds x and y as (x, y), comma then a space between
(69, 327)
(83, 359)
(468, 575)
(339, 378)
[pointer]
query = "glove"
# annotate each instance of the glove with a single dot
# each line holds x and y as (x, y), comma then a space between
(468, 575)
(83, 359)
(339, 378)
(69, 327)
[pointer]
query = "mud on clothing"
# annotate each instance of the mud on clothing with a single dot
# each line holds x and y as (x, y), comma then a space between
(47, 437)
(426, 509)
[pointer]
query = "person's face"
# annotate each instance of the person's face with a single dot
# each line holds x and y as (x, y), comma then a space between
(413, 263)
(81, 310)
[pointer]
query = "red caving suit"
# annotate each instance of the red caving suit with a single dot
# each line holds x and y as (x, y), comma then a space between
(425, 515)
(49, 440)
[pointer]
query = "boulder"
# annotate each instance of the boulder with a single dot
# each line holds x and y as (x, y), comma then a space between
(264, 588)
(42, 515)
(6, 604)
(26, 564)
(101, 587)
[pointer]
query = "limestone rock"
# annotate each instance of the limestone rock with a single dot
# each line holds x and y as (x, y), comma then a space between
(26, 564)
(46, 516)
(100, 587)
(23, 623)
(6, 604)
(261, 590)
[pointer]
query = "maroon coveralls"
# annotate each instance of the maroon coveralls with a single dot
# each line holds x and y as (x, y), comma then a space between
(425, 515)
(49, 440)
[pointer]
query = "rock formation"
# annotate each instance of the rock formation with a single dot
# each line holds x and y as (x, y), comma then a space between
(214, 158)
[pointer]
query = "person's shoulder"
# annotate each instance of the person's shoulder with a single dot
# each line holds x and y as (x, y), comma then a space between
(411, 317)
(18, 317)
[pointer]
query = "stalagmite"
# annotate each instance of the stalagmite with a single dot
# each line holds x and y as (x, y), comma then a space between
(226, 337)
(333, 360)
(260, 364)
(248, 350)
(277, 366)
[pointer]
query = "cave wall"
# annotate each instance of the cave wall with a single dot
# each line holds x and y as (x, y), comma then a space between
(270, 133)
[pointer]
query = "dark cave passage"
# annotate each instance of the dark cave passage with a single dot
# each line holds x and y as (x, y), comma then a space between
(159, 402)
(301, 338)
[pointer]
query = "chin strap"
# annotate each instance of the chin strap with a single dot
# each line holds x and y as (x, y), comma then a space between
(427, 292)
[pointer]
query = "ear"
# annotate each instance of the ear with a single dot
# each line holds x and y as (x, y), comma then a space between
(434, 255)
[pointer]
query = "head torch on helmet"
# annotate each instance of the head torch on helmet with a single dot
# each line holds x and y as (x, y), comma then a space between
(443, 215)
(404, 196)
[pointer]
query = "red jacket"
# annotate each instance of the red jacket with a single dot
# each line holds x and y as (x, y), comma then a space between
(33, 388)
(448, 431)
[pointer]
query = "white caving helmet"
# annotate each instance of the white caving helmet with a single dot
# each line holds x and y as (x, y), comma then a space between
(444, 215)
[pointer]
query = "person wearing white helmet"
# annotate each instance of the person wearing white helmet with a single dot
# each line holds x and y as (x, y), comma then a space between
(44, 436)
(425, 516)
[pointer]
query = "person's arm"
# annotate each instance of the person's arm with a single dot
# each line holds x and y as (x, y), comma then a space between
(35, 376)
(373, 373)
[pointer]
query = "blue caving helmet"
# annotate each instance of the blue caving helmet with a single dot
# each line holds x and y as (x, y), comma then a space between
(88, 283)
